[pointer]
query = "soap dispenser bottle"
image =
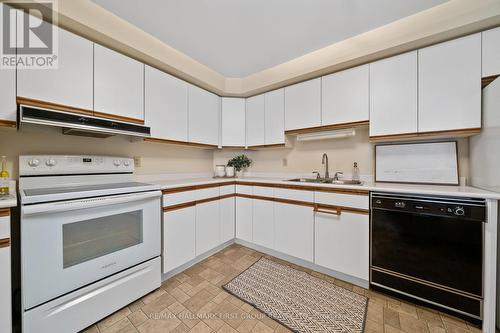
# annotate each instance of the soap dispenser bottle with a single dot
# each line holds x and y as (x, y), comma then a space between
(4, 178)
(355, 172)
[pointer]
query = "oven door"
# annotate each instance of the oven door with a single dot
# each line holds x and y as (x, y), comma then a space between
(67, 245)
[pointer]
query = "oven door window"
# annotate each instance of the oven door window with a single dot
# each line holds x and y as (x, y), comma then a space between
(90, 239)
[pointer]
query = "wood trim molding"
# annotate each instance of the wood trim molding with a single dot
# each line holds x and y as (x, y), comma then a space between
(4, 242)
(201, 201)
(52, 106)
(118, 118)
(485, 81)
(8, 123)
(271, 146)
(343, 209)
(195, 187)
(307, 188)
(227, 196)
(355, 124)
(4, 212)
(179, 206)
(447, 133)
(180, 143)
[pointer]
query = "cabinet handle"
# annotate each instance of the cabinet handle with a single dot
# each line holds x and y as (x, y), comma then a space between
(337, 210)
(4, 242)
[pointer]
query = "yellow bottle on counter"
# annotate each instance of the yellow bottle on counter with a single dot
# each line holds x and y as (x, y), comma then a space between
(4, 178)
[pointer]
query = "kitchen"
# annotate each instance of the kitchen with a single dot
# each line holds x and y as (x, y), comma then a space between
(145, 129)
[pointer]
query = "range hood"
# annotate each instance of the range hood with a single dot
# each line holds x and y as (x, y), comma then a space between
(81, 125)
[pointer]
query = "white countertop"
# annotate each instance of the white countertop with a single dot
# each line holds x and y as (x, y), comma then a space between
(11, 199)
(456, 191)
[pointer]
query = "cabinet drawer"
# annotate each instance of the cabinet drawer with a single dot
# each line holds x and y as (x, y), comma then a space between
(178, 198)
(227, 189)
(263, 191)
(244, 189)
(206, 193)
(340, 199)
(4, 227)
(298, 195)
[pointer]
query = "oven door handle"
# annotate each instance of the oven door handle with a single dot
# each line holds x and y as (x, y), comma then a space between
(63, 206)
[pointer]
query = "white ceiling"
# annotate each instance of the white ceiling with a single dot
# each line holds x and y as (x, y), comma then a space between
(240, 37)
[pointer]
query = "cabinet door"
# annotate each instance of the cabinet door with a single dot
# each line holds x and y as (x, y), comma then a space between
(294, 230)
(227, 219)
(203, 116)
(303, 105)
(118, 85)
(345, 96)
(342, 243)
(255, 118)
(244, 219)
(5, 291)
(71, 84)
(491, 52)
(449, 85)
(275, 117)
(233, 122)
(263, 223)
(207, 226)
(166, 105)
(8, 106)
(178, 237)
(393, 95)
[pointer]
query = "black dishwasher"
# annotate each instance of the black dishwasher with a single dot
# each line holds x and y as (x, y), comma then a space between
(429, 249)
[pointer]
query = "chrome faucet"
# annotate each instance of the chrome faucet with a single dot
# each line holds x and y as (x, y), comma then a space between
(325, 161)
(338, 176)
(318, 176)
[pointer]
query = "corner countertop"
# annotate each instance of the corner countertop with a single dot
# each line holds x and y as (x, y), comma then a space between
(438, 190)
(11, 199)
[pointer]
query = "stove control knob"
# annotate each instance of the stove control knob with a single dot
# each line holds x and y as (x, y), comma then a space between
(50, 162)
(34, 162)
(117, 163)
(459, 211)
(126, 163)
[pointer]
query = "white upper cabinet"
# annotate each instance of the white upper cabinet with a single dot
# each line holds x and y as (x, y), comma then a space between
(166, 105)
(8, 105)
(71, 84)
(233, 121)
(345, 96)
(275, 117)
(393, 95)
(303, 105)
(118, 84)
(203, 116)
(449, 85)
(491, 52)
(255, 120)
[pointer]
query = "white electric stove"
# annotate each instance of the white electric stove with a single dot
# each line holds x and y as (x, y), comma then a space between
(90, 239)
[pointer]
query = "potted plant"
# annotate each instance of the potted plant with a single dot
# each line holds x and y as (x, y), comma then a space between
(239, 163)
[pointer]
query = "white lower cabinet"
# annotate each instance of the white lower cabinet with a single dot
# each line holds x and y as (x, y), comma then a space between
(178, 237)
(244, 212)
(207, 226)
(227, 219)
(263, 223)
(294, 230)
(5, 278)
(342, 243)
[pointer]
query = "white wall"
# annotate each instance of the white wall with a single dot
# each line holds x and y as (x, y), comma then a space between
(305, 157)
(485, 147)
(156, 157)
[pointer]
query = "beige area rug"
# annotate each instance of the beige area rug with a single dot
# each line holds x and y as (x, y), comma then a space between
(298, 300)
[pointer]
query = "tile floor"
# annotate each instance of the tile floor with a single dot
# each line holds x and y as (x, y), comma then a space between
(193, 301)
